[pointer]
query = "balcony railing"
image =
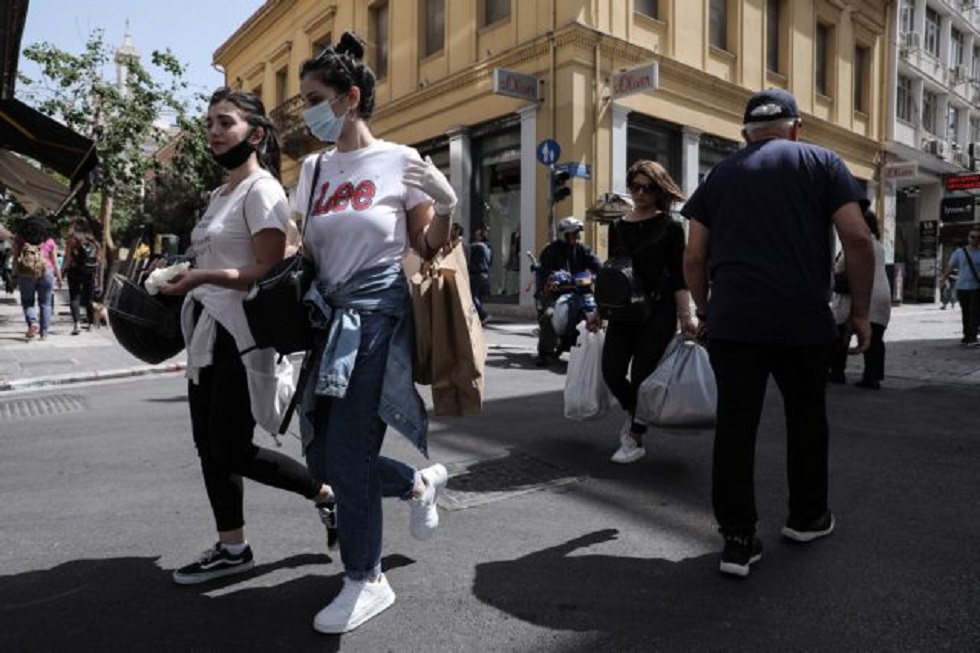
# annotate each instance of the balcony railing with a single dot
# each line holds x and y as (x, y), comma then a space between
(293, 133)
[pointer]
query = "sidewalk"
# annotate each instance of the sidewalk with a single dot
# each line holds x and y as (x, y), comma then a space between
(922, 343)
(63, 358)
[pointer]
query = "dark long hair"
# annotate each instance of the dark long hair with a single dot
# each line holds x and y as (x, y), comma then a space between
(253, 110)
(341, 68)
(668, 191)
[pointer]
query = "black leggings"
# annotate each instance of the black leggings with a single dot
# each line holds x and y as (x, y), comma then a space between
(222, 423)
(644, 345)
(81, 288)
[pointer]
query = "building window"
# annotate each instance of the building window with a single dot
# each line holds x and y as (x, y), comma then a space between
(905, 100)
(257, 91)
(718, 24)
(649, 8)
(495, 11)
(907, 17)
(320, 44)
(932, 32)
(952, 123)
(772, 35)
(821, 59)
(975, 133)
(379, 37)
(955, 47)
(434, 26)
(282, 85)
(862, 77)
(975, 68)
(930, 102)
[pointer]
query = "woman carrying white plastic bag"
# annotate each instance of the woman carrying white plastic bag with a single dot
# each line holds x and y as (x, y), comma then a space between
(681, 392)
(586, 394)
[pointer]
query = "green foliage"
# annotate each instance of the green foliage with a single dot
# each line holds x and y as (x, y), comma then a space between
(73, 89)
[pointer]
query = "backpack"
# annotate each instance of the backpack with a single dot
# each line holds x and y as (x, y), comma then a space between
(30, 261)
(619, 292)
(85, 257)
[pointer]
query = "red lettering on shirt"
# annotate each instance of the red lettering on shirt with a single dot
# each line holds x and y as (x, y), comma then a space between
(359, 198)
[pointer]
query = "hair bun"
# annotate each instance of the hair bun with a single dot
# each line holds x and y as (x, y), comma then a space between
(350, 45)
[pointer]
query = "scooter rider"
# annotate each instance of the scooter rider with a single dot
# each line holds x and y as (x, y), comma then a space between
(565, 253)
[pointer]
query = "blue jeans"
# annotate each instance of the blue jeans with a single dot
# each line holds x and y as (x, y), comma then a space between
(345, 453)
(40, 289)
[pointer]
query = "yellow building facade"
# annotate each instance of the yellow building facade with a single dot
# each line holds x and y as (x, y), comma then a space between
(609, 81)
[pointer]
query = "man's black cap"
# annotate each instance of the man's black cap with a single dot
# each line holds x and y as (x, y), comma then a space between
(770, 104)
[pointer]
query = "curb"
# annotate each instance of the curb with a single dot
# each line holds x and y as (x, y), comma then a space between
(94, 375)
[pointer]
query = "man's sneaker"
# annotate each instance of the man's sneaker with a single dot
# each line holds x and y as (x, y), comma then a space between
(358, 601)
(328, 515)
(424, 515)
(629, 451)
(807, 531)
(740, 552)
(214, 563)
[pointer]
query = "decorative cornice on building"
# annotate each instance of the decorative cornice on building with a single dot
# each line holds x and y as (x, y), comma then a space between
(317, 23)
(280, 52)
(255, 71)
(239, 39)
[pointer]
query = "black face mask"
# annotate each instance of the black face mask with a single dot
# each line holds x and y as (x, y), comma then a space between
(235, 155)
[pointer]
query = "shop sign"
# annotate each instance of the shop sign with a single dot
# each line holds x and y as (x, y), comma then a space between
(962, 182)
(507, 82)
(901, 170)
(642, 79)
(958, 209)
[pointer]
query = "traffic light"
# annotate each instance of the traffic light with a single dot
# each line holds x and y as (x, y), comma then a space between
(559, 190)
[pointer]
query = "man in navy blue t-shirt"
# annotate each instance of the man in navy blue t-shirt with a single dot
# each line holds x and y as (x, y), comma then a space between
(760, 233)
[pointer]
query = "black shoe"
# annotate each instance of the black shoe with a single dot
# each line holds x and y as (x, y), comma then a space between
(740, 552)
(870, 385)
(837, 377)
(328, 515)
(214, 563)
(801, 530)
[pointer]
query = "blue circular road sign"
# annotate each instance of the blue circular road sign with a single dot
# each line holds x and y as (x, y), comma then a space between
(548, 151)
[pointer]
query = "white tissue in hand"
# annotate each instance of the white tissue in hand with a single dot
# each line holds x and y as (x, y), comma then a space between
(162, 276)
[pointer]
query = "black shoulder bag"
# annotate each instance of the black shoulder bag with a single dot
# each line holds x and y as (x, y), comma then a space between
(619, 291)
(274, 308)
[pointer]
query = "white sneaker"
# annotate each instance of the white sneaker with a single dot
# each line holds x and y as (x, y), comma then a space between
(358, 601)
(424, 515)
(629, 451)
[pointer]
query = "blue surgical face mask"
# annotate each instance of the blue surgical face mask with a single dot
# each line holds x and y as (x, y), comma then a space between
(323, 122)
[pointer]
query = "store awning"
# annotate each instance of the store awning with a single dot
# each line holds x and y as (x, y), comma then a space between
(29, 132)
(33, 188)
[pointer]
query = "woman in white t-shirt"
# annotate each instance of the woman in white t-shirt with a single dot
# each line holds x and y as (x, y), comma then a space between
(232, 385)
(365, 203)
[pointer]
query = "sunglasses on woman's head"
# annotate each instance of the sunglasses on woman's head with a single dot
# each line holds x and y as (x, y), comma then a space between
(649, 189)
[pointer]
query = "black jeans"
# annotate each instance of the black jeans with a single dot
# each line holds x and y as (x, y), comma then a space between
(970, 307)
(222, 423)
(742, 371)
(636, 347)
(874, 355)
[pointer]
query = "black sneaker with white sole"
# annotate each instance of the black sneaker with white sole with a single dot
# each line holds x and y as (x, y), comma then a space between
(328, 515)
(214, 563)
(740, 552)
(807, 530)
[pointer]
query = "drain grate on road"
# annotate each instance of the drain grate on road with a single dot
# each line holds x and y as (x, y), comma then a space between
(37, 406)
(477, 482)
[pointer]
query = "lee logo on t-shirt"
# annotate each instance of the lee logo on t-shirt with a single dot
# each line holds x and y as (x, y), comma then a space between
(359, 197)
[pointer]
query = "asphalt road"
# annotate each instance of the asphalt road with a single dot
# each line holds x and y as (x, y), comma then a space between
(545, 546)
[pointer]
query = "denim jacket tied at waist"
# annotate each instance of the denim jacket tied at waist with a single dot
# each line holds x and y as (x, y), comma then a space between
(337, 311)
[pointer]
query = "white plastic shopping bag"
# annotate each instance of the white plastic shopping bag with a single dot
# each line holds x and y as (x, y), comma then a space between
(681, 392)
(586, 395)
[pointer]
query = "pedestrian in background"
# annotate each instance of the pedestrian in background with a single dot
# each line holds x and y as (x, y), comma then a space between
(964, 262)
(480, 262)
(654, 242)
(368, 201)
(240, 236)
(880, 314)
(759, 226)
(36, 267)
(81, 267)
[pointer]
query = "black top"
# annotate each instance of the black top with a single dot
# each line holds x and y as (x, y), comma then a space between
(560, 255)
(656, 246)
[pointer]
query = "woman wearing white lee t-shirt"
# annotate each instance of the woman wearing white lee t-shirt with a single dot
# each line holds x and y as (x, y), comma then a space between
(240, 236)
(365, 203)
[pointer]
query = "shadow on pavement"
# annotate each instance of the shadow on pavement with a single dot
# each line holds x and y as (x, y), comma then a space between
(126, 604)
